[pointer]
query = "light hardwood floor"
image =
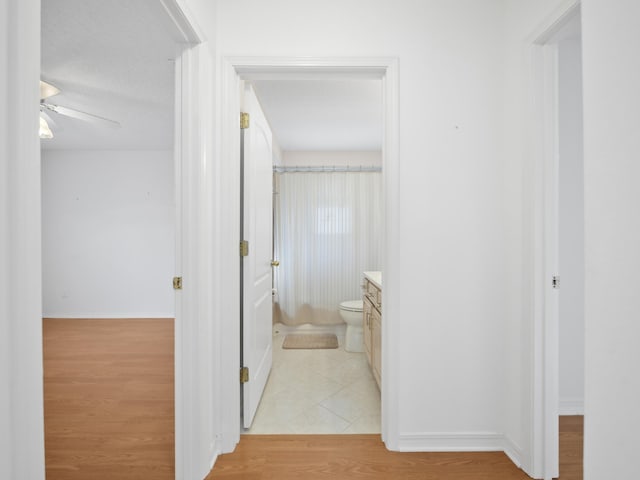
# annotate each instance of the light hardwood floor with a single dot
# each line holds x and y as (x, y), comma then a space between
(310, 457)
(109, 414)
(109, 399)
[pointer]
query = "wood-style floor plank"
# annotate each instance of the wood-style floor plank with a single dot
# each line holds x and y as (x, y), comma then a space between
(109, 399)
(109, 414)
(310, 457)
(571, 447)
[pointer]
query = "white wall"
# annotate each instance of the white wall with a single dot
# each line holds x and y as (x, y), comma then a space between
(338, 159)
(571, 227)
(278, 154)
(449, 301)
(612, 174)
(108, 233)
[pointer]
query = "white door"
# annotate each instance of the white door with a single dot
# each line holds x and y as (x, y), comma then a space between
(256, 269)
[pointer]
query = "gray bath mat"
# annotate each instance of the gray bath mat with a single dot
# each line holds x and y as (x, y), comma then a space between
(310, 341)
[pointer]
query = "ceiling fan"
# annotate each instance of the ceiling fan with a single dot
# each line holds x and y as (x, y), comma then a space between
(46, 91)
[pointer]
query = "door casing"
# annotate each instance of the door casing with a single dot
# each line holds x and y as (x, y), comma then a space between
(232, 71)
(542, 455)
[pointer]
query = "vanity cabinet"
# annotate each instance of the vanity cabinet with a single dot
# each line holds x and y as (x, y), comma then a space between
(372, 324)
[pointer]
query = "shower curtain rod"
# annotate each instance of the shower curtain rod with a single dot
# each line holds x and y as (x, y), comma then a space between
(334, 168)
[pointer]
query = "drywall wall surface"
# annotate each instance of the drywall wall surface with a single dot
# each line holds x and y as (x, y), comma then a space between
(571, 227)
(612, 172)
(278, 154)
(450, 315)
(332, 159)
(108, 233)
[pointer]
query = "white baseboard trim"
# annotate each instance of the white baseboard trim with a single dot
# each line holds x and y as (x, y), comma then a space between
(451, 442)
(571, 406)
(461, 442)
(212, 461)
(513, 451)
(103, 316)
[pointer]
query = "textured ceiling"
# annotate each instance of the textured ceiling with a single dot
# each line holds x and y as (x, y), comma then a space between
(327, 114)
(112, 59)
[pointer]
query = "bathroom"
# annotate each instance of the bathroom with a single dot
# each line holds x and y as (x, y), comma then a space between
(327, 232)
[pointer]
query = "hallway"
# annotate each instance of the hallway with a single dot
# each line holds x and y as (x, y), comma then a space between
(292, 457)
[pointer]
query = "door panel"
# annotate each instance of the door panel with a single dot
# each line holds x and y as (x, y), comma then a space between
(256, 270)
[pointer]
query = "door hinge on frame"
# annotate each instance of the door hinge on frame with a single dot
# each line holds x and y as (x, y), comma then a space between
(555, 281)
(177, 283)
(244, 120)
(244, 374)
(244, 248)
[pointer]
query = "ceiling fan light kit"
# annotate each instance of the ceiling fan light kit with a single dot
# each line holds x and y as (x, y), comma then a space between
(45, 131)
(47, 90)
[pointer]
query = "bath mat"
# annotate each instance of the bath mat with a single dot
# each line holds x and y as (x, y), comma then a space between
(310, 341)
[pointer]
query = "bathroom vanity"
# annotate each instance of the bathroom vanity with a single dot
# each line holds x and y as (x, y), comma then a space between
(372, 321)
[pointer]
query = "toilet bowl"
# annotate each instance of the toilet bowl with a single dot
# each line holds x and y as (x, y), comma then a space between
(351, 313)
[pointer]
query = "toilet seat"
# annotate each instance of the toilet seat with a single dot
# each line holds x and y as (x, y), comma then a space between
(352, 306)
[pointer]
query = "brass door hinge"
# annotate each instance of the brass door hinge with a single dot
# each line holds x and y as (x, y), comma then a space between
(244, 120)
(177, 283)
(244, 374)
(244, 248)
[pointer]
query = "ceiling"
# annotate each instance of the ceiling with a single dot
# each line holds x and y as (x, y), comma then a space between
(114, 59)
(321, 115)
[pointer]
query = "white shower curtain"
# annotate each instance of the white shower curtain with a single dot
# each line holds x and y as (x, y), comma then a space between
(328, 230)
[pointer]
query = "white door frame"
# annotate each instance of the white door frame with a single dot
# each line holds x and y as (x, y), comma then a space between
(192, 423)
(232, 69)
(195, 445)
(21, 387)
(543, 174)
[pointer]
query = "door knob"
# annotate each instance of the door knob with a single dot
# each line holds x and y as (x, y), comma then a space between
(275, 263)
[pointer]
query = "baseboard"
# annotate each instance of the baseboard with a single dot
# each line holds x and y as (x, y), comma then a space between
(461, 442)
(571, 406)
(104, 316)
(213, 459)
(452, 442)
(513, 451)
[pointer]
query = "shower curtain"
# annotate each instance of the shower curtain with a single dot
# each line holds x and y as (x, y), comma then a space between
(328, 229)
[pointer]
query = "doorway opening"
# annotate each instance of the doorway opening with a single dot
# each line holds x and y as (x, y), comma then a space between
(559, 241)
(111, 234)
(238, 70)
(327, 218)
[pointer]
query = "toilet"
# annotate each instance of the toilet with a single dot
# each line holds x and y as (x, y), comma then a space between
(351, 313)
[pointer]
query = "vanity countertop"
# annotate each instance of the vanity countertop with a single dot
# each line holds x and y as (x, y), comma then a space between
(375, 278)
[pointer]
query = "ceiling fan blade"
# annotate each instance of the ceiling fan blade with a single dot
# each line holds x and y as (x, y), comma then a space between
(47, 90)
(73, 113)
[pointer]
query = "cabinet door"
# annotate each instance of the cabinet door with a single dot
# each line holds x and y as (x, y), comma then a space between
(376, 345)
(366, 327)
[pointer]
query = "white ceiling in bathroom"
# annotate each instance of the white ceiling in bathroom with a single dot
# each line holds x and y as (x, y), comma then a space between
(327, 114)
(113, 59)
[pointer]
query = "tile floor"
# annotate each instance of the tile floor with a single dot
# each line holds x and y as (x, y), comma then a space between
(318, 392)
